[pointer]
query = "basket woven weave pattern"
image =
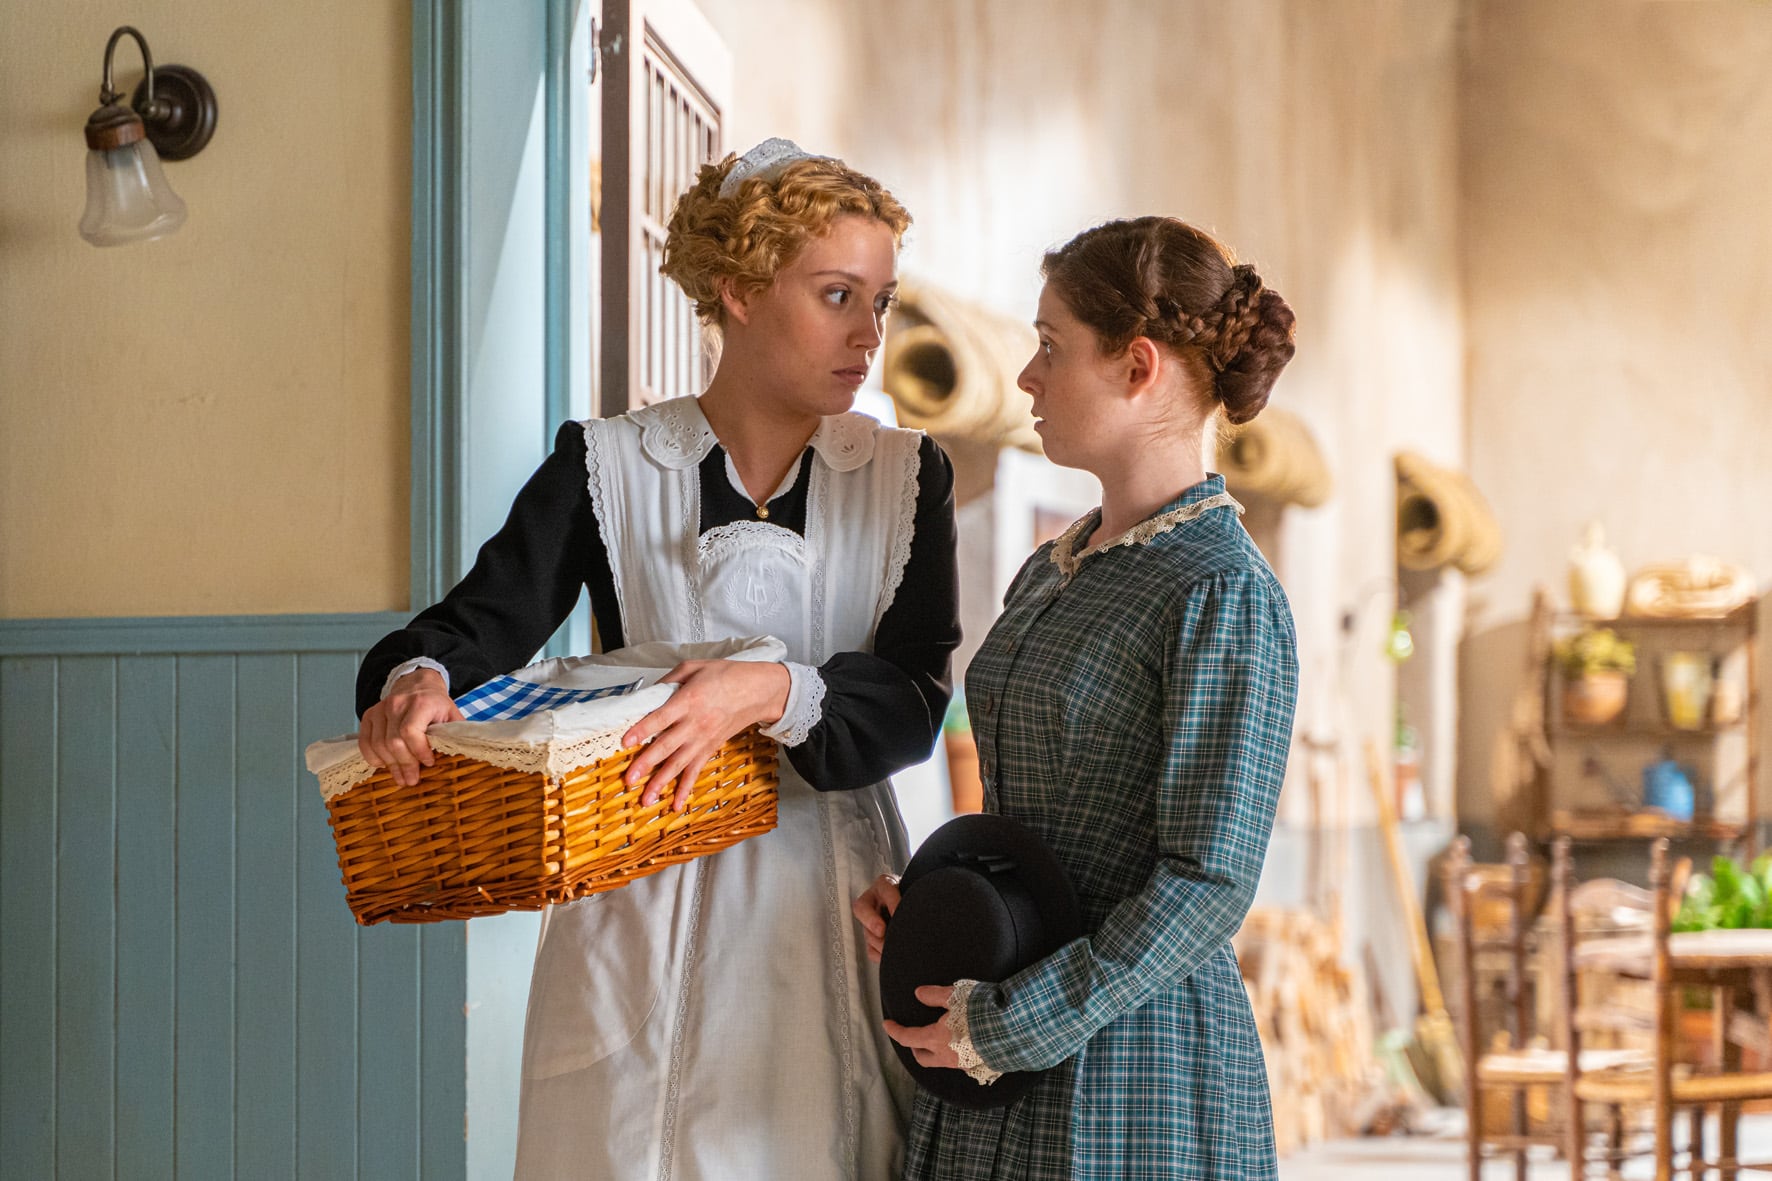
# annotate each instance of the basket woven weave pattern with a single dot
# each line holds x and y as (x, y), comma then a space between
(473, 839)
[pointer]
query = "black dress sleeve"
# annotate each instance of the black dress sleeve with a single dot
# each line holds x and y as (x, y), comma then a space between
(524, 583)
(883, 712)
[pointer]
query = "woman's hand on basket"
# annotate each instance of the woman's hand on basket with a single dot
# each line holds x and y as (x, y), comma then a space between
(877, 904)
(715, 699)
(392, 733)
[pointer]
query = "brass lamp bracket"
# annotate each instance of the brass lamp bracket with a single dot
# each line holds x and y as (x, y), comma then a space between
(173, 106)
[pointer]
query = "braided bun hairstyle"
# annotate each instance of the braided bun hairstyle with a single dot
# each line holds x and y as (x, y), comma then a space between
(748, 236)
(1163, 279)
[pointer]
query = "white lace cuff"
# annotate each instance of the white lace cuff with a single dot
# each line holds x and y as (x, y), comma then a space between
(401, 670)
(960, 1035)
(805, 708)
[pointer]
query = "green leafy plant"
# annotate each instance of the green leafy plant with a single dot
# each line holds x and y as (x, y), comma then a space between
(1595, 650)
(1729, 898)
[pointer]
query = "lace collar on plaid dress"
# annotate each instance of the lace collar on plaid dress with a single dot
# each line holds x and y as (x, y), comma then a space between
(1067, 557)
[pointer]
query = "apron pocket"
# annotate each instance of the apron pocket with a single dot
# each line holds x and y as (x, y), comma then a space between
(599, 972)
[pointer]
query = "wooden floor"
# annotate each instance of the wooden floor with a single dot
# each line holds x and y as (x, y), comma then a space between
(1440, 1157)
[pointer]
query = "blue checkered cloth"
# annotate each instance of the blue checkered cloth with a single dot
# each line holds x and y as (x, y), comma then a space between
(503, 698)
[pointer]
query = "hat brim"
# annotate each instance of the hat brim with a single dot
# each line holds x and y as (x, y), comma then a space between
(957, 928)
(984, 834)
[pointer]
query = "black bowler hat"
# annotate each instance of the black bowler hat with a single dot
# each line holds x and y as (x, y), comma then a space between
(983, 898)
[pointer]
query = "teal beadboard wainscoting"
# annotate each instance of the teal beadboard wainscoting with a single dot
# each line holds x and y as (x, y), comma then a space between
(184, 992)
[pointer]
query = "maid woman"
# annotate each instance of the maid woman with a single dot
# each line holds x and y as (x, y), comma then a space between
(716, 1019)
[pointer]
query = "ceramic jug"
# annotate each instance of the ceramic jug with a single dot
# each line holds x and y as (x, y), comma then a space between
(1667, 786)
(1596, 576)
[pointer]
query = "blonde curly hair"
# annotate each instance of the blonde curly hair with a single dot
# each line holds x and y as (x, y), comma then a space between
(747, 237)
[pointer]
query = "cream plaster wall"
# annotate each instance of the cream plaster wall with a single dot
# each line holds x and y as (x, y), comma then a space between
(1320, 140)
(1618, 248)
(194, 425)
(215, 422)
(1009, 125)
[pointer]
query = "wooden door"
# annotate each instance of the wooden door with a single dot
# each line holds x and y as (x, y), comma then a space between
(667, 81)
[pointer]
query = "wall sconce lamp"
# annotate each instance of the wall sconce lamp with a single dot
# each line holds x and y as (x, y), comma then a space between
(171, 115)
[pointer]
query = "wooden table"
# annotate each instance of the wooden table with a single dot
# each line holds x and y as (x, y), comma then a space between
(1696, 957)
(1723, 961)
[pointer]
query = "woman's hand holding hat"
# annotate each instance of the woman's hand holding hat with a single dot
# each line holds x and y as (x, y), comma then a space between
(876, 904)
(929, 1043)
(983, 899)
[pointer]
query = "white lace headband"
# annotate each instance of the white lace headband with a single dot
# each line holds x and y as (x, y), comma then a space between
(766, 160)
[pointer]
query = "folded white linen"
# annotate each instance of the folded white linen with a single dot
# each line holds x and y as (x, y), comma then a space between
(554, 742)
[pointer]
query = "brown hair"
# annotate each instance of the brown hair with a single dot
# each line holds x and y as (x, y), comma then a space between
(749, 236)
(1163, 279)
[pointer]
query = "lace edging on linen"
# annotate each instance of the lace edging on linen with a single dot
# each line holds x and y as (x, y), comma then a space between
(675, 433)
(552, 744)
(1068, 558)
(552, 761)
(960, 1035)
(805, 707)
(679, 1033)
(818, 507)
(903, 532)
(838, 949)
(417, 662)
(724, 541)
(607, 525)
(845, 441)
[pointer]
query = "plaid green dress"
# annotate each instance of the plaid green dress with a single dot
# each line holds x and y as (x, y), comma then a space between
(1134, 708)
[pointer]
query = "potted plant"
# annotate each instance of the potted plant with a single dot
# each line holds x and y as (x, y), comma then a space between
(1732, 896)
(1597, 665)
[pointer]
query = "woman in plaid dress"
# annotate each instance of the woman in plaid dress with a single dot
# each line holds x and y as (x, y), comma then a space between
(1133, 704)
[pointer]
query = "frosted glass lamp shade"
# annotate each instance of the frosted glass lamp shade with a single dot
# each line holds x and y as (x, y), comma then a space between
(127, 197)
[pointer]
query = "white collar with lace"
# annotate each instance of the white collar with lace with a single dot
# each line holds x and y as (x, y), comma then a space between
(676, 434)
(1067, 557)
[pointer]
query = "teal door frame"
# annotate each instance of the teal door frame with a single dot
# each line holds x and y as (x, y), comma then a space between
(480, 71)
(500, 357)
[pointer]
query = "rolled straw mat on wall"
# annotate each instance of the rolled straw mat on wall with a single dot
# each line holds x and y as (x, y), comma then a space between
(950, 366)
(1442, 520)
(1275, 456)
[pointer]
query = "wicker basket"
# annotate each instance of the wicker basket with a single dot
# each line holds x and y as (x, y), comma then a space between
(474, 839)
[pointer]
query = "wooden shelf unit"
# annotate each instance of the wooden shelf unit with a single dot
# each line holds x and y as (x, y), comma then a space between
(1584, 805)
(1641, 826)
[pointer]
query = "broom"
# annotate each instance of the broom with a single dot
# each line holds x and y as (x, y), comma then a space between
(1434, 1032)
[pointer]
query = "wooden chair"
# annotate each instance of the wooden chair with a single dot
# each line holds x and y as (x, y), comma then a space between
(1669, 1085)
(1510, 1063)
(1491, 1074)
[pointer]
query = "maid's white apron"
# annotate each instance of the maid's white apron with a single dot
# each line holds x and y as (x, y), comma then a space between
(719, 1020)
